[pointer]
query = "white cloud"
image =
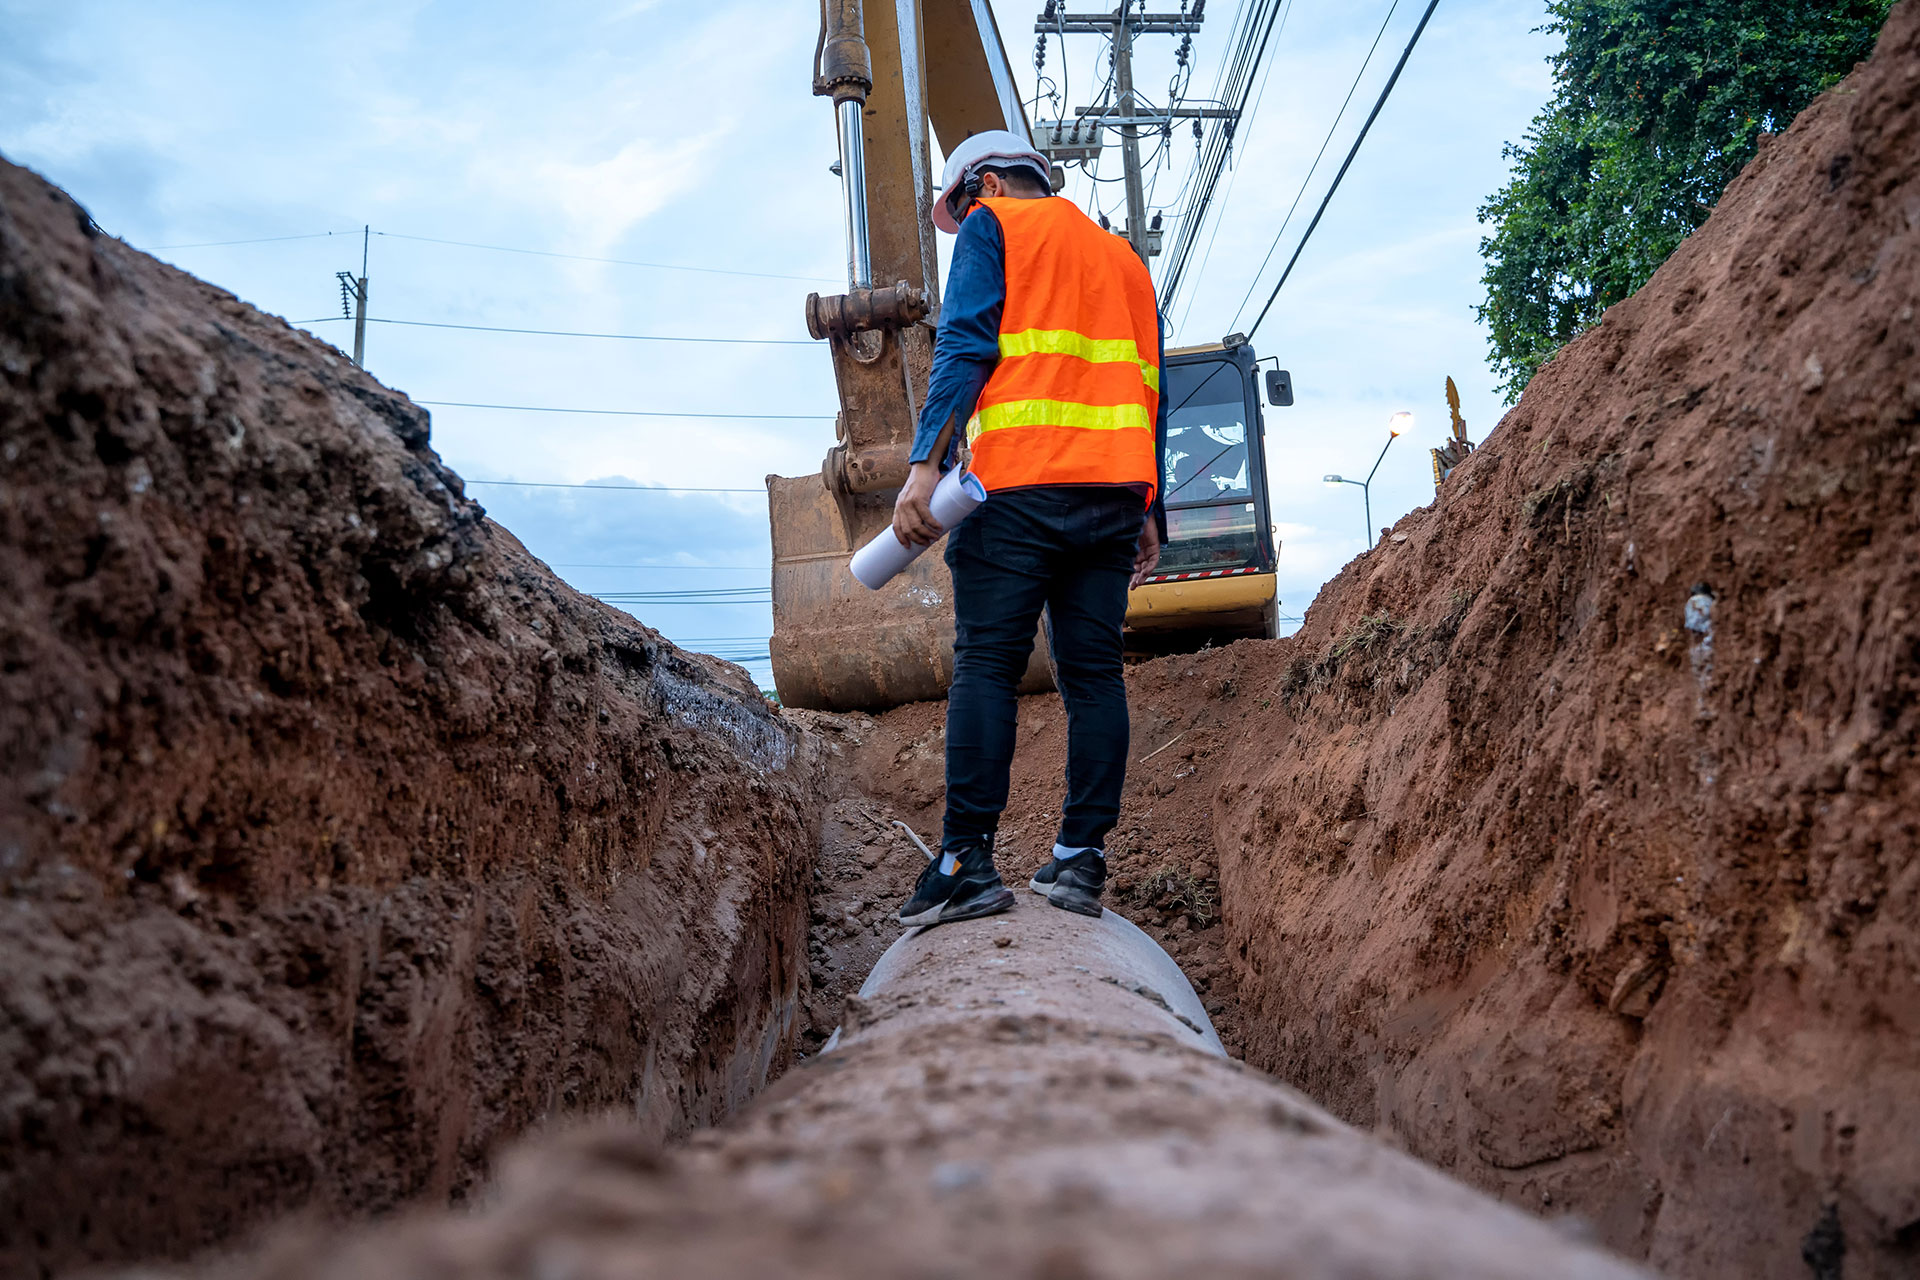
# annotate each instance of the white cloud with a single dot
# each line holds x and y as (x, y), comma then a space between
(605, 199)
(664, 134)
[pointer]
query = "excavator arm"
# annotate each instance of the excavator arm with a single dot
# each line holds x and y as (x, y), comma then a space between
(892, 70)
(972, 88)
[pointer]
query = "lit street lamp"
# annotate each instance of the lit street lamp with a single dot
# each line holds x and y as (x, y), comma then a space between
(1398, 425)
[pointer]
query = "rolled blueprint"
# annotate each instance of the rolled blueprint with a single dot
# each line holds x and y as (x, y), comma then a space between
(954, 498)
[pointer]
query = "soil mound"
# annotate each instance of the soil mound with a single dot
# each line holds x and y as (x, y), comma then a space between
(1577, 844)
(338, 838)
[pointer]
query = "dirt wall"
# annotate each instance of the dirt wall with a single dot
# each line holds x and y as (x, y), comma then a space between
(1575, 843)
(338, 838)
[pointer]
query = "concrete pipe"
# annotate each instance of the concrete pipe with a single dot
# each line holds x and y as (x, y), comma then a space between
(1036, 1094)
(1099, 974)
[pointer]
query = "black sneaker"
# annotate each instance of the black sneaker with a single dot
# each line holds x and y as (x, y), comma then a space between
(1077, 882)
(973, 890)
(1044, 879)
(1047, 876)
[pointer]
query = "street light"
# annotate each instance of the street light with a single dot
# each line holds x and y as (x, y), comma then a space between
(1399, 424)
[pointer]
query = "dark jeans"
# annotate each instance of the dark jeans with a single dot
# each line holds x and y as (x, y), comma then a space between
(1068, 549)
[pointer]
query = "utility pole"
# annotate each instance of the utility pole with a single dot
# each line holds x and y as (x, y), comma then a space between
(1078, 139)
(1129, 134)
(355, 288)
(360, 303)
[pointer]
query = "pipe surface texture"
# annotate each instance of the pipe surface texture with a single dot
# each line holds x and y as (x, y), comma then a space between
(1036, 1094)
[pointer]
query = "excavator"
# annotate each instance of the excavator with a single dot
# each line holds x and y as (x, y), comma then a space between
(892, 72)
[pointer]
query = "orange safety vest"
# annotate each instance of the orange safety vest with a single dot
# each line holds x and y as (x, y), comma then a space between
(1074, 396)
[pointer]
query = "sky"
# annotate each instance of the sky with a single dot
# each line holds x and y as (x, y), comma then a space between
(687, 138)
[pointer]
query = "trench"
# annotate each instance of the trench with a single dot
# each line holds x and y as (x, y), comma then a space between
(354, 867)
(1034, 1093)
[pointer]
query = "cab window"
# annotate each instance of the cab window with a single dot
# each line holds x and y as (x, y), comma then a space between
(1206, 434)
(1200, 538)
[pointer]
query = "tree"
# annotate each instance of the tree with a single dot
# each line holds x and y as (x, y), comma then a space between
(1657, 105)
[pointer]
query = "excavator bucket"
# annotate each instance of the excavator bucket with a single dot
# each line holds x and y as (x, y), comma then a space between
(837, 645)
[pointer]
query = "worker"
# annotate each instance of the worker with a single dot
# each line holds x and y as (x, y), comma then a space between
(1047, 363)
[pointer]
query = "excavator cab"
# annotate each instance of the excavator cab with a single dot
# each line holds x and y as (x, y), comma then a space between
(1216, 581)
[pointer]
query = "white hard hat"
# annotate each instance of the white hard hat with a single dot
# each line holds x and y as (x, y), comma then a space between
(995, 147)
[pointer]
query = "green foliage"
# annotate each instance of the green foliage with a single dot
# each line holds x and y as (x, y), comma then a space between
(1658, 105)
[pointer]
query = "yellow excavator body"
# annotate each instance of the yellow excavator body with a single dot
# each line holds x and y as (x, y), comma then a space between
(1175, 605)
(1216, 580)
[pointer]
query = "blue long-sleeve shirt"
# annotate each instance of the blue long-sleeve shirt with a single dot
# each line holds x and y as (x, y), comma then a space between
(967, 347)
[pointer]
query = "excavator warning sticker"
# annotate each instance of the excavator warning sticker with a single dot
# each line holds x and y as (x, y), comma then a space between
(1199, 573)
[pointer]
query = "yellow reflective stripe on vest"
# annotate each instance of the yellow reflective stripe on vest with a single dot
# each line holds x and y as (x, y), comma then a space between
(1059, 413)
(1065, 342)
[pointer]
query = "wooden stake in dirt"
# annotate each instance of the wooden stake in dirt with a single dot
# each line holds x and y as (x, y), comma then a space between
(1163, 746)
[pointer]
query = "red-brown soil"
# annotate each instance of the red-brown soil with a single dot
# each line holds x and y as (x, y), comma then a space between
(1572, 840)
(1573, 837)
(338, 839)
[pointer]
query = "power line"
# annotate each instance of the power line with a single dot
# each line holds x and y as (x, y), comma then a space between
(624, 488)
(1371, 117)
(1220, 215)
(1233, 84)
(617, 262)
(501, 248)
(215, 244)
(694, 593)
(574, 333)
(690, 591)
(634, 413)
(739, 568)
(1314, 168)
(700, 600)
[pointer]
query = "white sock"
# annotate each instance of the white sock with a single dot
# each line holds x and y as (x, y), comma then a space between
(949, 864)
(1061, 851)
